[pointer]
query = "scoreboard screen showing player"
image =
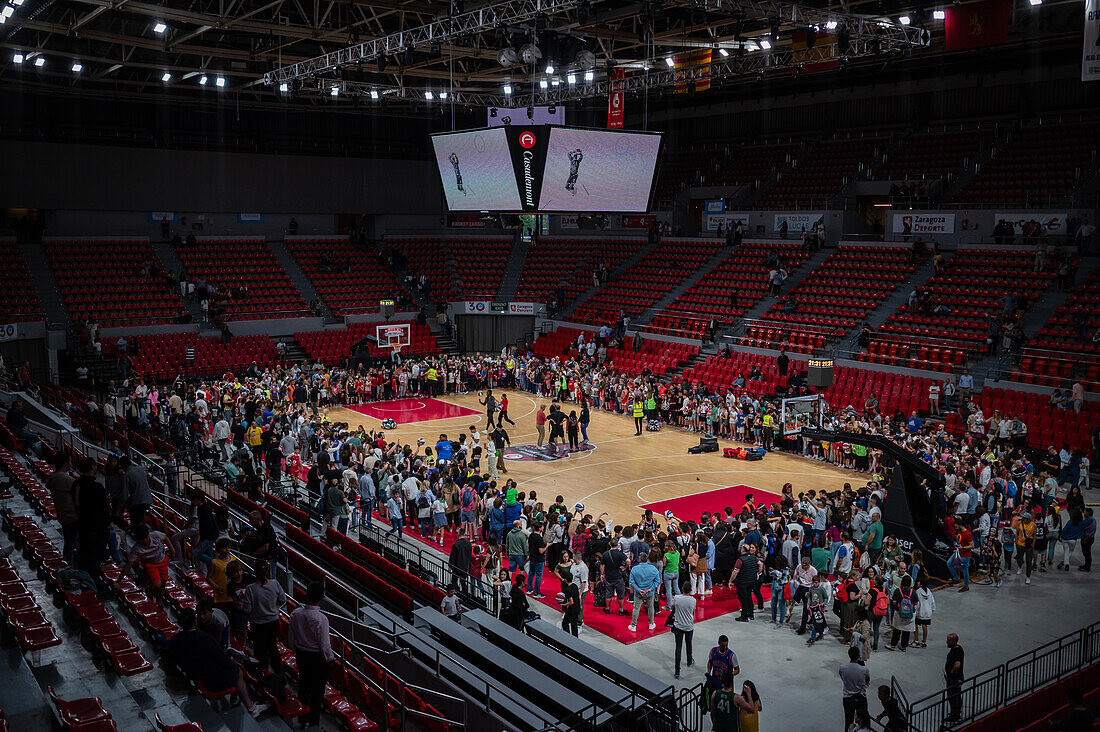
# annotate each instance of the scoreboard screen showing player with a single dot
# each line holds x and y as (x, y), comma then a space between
(476, 170)
(589, 170)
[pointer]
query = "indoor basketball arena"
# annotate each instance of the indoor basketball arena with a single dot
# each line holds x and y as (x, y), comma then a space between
(549, 365)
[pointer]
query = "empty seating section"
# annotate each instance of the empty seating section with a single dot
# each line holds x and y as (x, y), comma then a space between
(428, 256)
(745, 269)
(163, 356)
(895, 392)
(1036, 167)
(647, 281)
(110, 280)
(658, 356)
(751, 164)
(334, 346)
(837, 295)
(820, 175)
(972, 288)
(480, 265)
(230, 264)
(1046, 425)
(718, 373)
(18, 299)
(686, 167)
(939, 153)
(554, 261)
(348, 279)
(1064, 347)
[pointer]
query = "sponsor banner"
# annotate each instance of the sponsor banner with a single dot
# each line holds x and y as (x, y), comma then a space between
(714, 205)
(797, 222)
(1090, 56)
(616, 100)
(250, 218)
(727, 219)
(497, 307)
(528, 146)
(637, 221)
(534, 453)
(9, 332)
(1054, 223)
(465, 221)
(569, 221)
(924, 223)
(502, 116)
(155, 217)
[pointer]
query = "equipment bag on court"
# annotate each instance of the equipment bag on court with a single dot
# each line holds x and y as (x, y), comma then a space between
(599, 595)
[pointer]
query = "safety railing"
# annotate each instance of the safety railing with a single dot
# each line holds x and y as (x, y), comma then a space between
(1005, 684)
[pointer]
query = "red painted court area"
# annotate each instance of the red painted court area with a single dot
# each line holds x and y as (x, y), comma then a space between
(690, 508)
(404, 411)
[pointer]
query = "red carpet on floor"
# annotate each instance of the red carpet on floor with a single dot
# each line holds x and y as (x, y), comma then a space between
(404, 411)
(690, 508)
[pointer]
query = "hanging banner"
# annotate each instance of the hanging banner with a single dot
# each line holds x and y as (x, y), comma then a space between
(1090, 57)
(797, 222)
(252, 218)
(685, 63)
(616, 100)
(919, 223)
(977, 24)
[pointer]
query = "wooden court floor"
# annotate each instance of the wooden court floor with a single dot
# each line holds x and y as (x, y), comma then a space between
(624, 471)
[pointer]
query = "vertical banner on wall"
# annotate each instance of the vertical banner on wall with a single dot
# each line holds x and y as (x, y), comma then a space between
(685, 64)
(616, 100)
(1090, 56)
(977, 24)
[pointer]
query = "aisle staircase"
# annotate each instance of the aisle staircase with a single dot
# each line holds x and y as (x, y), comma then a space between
(509, 283)
(688, 282)
(625, 266)
(45, 284)
(171, 261)
(298, 277)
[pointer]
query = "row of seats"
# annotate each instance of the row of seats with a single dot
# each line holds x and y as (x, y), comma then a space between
(556, 261)
(22, 615)
(718, 373)
(231, 264)
(821, 173)
(937, 153)
(163, 356)
(348, 279)
(1047, 425)
(111, 281)
(657, 356)
(18, 298)
(903, 351)
(334, 346)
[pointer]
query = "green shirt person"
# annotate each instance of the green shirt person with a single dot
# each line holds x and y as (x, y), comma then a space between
(725, 704)
(875, 532)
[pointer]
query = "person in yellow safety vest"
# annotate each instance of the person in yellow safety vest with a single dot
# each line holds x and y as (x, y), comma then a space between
(769, 430)
(563, 388)
(651, 407)
(639, 412)
(433, 379)
(510, 372)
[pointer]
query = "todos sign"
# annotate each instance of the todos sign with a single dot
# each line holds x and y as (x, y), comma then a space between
(923, 223)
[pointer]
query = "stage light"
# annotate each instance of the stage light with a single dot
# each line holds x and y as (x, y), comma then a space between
(166, 78)
(1035, 2)
(543, 84)
(507, 88)
(284, 87)
(17, 3)
(589, 75)
(219, 82)
(571, 78)
(669, 61)
(374, 94)
(939, 14)
(77, 67)
(202, 80)
(3, 20)
(830, 25)
(550, 68)
(159, 27)
(334, 91)
(530, 53)
(17, 58)
(428, 95)
(723, 52)
(507, 57)
(442, 95)
(40, 61)
(904, 20)
(7, 12)
(765, 44)
(555, 81)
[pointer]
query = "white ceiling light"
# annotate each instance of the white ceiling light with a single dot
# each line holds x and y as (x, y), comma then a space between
(428, 95)
(571, 78)
(507, 88)
(549, 68)
(40, 61)
(442, 95)
(203, 80)
(765, 44)
(7, 12)
(284, 87)
(167, 77)
(904, 20)
(3, 20)
(77, 67)
(939, 14)
(219, 82)
(160, 27)
(17, 58)
(589, 75)
(669, 62)
(334, 91)
(723, 52)
(373, 93)
(17, 3)
(555, 81)
(830, 25)
(1036, 2)
(543, 84)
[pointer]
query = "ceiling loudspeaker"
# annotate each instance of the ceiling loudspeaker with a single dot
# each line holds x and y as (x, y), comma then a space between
(530, 53)
(507, 57)
(585, 59)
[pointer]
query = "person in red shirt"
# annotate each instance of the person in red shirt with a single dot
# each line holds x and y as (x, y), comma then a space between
(540, 423)
(965, 542)
(502, 415)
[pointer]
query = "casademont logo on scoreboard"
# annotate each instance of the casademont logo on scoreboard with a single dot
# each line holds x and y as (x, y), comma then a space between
(527, 140)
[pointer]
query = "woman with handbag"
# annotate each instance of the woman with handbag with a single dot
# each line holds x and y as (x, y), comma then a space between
(697, 564)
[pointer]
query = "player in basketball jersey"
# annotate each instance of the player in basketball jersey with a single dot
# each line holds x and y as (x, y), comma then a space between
(725, 706)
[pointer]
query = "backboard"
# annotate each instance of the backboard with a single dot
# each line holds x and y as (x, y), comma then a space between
(395, 336)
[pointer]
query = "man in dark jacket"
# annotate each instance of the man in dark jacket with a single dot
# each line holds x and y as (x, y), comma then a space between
(459, 560)
(93, 514)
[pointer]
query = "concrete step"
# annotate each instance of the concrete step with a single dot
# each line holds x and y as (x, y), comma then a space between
(298, 276)
(685, 284)
(509, 283)
(170, 260)
(571, 308)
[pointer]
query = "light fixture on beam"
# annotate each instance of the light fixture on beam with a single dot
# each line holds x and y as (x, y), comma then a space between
(543, 84)
(374, 94)
(167, 77)
(571, 79)
(905, 20)
(507, 89)
(203, 80)
(77, 67)
(589, 75)
(765, 44)
(284, 87)
(40, 61)
(938, 14)
(17, 57)
(723, 53)
(669, 62)
(160, 27)
(830, 24)
(334, 91)
(428, 95)
(219, 82)
(550, 68)
(442, 95)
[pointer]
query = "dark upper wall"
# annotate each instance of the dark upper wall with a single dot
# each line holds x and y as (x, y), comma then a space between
(111, 178)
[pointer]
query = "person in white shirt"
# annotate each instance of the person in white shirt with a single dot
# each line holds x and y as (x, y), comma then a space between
(934, 398)
(220, 436)
(962, 502)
